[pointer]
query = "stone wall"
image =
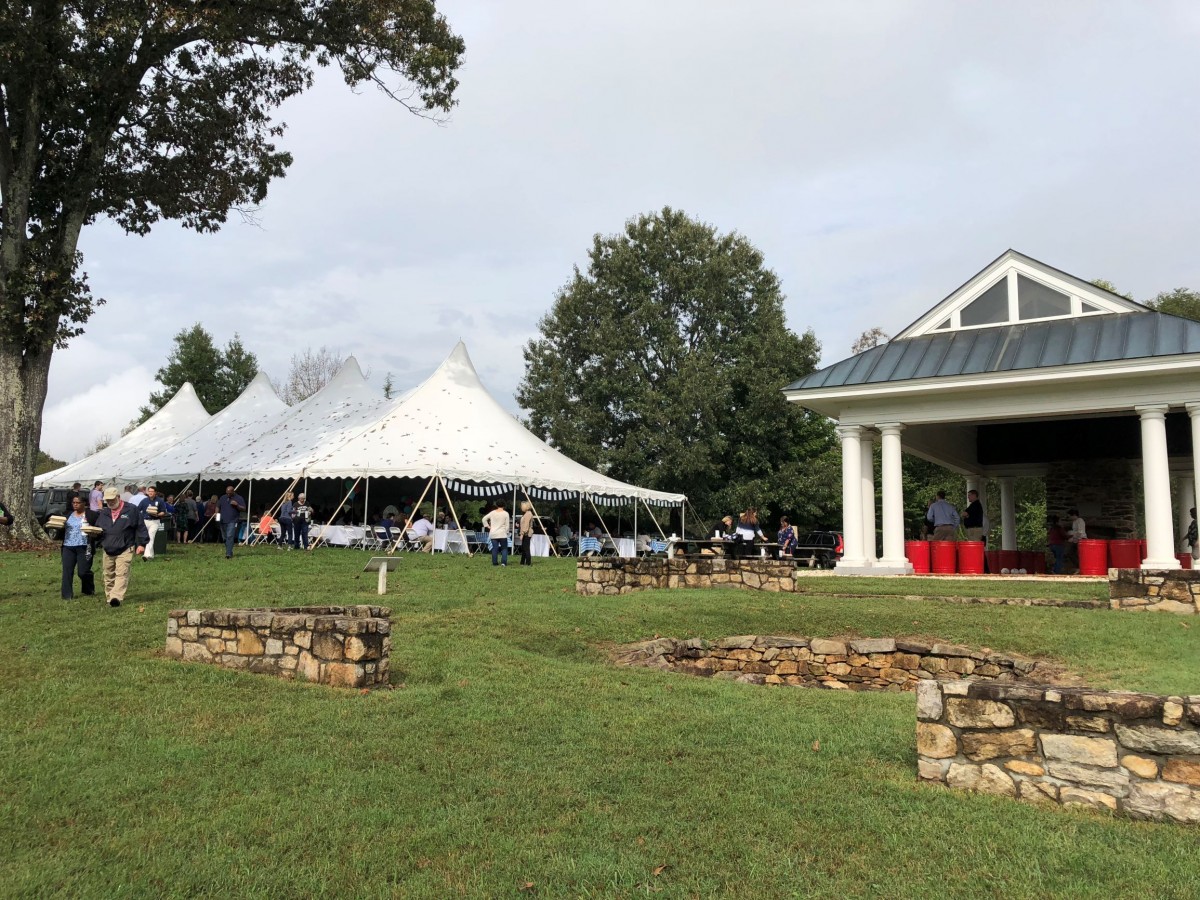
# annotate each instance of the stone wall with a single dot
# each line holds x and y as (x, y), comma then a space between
(867, 664)
(1177, 590)
(342, 646)
(1104, 491)
(618, 575)
(1137, 755)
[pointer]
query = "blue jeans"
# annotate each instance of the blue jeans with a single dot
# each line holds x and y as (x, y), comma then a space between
(231, 531)
(1059, 550)
(285, 531)
(500, 545)
(300, 533)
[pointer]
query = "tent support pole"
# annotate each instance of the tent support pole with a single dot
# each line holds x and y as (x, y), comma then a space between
(436, 485)
(278, 503)
(249, 504)
(321, 539)
(553, 549)
(210, 518)
(683, 512)
(579, 533)
(654, 519)
(408, 522)
(602, 525)
(367, 504)
(457, 524)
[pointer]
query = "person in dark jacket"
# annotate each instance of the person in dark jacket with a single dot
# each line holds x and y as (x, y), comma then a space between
(77, 550)
(124, 534)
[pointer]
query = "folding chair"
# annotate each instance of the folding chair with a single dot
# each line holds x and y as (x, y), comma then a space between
(370, 539)
(564, 546)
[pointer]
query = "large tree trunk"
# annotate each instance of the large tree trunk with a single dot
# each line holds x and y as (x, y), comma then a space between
(23, 380)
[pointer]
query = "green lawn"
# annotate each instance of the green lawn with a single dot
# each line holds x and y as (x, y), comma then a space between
(510, 753)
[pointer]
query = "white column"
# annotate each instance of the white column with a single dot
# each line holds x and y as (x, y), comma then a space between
(1185, 499)
(1008, 512)
(867, 450)
(852, 537)
(893, 498)
(1156, 478)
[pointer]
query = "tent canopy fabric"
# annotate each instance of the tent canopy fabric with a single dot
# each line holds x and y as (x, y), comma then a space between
(340, 409)
(451, 426)
(180, 417)
(256, 410)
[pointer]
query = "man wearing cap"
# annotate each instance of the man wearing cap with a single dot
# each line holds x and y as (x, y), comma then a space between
(123, 535)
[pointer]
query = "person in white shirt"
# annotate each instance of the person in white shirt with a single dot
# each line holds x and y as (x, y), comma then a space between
(498, 524)
(422, 530)
(1077, 533)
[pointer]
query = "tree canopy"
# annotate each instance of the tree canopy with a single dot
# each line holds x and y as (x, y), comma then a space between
(309, 371)
(663, 364)
(143, 110)
(218, 376)
(1179, 302)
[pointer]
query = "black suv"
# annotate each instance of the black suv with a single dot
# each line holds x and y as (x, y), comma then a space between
(49, 502)
(819, 549)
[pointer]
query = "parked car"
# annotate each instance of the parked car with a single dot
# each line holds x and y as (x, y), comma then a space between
(819, 549)
(49, 502)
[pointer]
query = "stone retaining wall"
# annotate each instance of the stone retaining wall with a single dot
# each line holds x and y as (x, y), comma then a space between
(1137, 755)
(867, 664)
(619, 575)
(342, 646)
(1176, 590)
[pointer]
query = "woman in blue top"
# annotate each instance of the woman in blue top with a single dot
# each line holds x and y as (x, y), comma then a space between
(786, 537)
(77, 550)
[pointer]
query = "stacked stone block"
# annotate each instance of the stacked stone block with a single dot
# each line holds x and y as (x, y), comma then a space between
(1177, 590)
(1136, 755)
(342, 646)
(867, 664)
(618, 575)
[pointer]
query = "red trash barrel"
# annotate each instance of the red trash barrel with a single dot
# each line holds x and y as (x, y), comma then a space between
(970, 557)
(1143, 552)
(944, 556)
(1010, 559)
(1093, 557)
(993, 561)
(1039, 564)
(1185, 560)
(1124, 554)
(917, 553)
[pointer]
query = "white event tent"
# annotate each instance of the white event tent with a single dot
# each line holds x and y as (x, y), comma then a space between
(448, 432)
(180, 417)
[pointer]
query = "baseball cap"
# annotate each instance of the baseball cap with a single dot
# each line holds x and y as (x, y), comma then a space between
(111, 493)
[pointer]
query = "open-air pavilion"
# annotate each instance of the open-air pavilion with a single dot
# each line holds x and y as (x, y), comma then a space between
(1023, 370)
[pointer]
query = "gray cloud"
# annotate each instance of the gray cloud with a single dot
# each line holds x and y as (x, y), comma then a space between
(878, 153)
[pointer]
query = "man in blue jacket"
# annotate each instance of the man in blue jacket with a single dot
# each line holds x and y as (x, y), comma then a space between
(123, 534)
(232, 507)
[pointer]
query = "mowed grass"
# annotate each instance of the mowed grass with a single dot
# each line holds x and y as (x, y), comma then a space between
(510, 759)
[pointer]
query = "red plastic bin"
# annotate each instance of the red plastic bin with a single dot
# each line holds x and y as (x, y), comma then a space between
(1010, 559)
(1185, 560)
(944, 557)
(970, 557)
(1126, 554)
(917, 553)
(1093, 557)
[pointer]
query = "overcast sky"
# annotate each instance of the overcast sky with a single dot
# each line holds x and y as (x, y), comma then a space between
(878, 153)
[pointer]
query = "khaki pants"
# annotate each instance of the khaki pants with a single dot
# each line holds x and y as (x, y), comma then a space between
(116, 575)
(974, 534)
(945, 532)
(426, 543)
(152, 526)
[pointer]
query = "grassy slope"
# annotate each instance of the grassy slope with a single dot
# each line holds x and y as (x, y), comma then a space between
(510, 752)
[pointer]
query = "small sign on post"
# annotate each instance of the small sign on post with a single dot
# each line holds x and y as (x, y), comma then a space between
(382, 565)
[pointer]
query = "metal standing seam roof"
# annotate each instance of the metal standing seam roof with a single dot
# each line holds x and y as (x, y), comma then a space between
(1006, 348)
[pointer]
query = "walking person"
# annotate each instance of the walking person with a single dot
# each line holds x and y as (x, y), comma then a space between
(154, 510)
(498, 524)
(1056, 540)
(123, 533)
(285, 519)
(302, 514)
(231, 507)
(1192, 542)
(526, 533)
(77, 550)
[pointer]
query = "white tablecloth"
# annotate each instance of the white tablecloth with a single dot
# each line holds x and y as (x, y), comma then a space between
(624, 546)
(539, 545)
(337, 535)
(447, 540)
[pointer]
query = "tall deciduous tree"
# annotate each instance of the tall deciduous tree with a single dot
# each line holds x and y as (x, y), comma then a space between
(309, 372)
(663, 364)
(218, 376)
(142, 110)
(1179, 302)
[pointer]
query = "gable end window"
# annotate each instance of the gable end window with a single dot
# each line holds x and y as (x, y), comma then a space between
(1036, 301)
(989, 308)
